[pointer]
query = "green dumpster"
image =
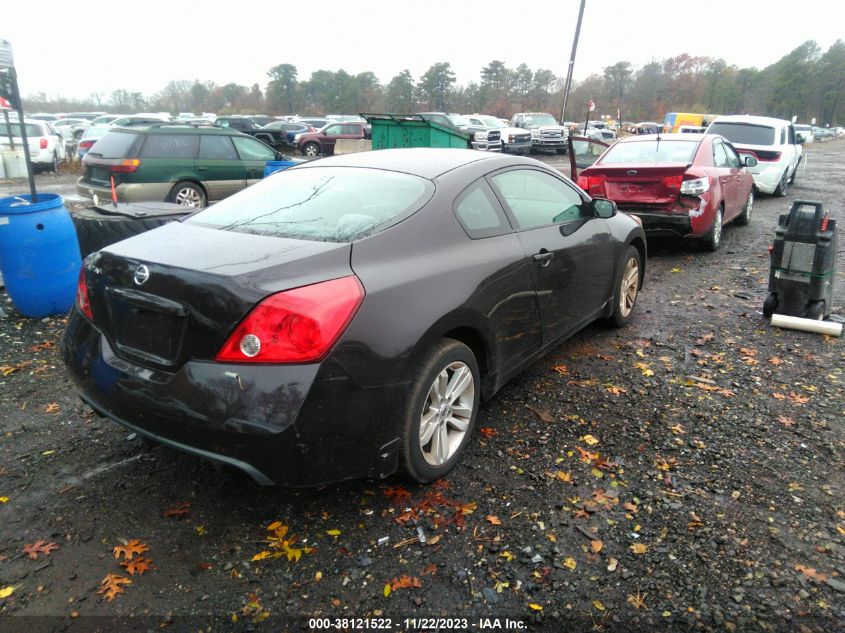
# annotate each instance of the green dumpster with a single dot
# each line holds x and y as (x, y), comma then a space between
(412, 130)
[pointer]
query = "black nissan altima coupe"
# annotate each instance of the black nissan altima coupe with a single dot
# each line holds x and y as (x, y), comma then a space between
(344, 318)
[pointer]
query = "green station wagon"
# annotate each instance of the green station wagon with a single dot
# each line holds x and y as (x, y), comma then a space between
(191, 166)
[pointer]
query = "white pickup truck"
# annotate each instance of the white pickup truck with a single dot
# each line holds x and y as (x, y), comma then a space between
(772, 142)
(545, 131)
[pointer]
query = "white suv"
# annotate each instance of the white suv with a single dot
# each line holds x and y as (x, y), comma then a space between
(46, 147)
(772, 141)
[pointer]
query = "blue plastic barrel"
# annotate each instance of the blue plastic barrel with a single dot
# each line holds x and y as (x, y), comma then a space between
(39, 254)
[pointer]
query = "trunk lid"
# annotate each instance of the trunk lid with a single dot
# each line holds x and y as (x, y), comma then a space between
(176, 293)
(636, 185)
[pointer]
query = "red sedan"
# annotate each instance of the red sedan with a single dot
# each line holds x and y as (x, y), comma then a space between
(678, 184)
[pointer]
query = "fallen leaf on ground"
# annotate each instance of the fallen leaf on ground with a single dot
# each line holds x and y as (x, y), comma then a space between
(570, 563)
(639, 548)
(535, 607)
(53, 407)
(774, 360)
(811, 572)
(434, 540)
(589, 440)
(487, 432)
(179, 510)
(544, 415)
(596, 546)
(4, 499)
(611, 564)
(39, 547)
(333, 532)
(598, 605)
(638, 601)
(431, 568)
(493, 520)
(561, 369)
(405, 582)
(130, 549)
(137, 566)
(5, 592)
(797, 398)
(560, 475)
(112, 585)
(615, 390)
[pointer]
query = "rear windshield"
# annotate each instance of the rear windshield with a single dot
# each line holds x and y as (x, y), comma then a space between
(31, 130)
(327, 204)
(680, 152)
(113, 145)
(744, 133)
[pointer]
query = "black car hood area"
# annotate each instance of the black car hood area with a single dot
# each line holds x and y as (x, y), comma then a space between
(200, 282)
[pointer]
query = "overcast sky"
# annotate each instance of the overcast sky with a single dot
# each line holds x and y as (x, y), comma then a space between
(74, 49)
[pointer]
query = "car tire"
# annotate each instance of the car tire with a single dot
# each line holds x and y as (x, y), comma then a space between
(188, 194)
(770, 305)
(54, 164)
(713, 238)
(311, 150)
(783, 185)
(627, 286)
(745, 217)
(433, 434)
(96, 230)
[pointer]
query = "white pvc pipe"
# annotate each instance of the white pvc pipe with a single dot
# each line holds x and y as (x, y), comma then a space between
(807, 325)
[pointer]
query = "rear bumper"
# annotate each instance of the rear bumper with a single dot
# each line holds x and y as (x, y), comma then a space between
(126, 192)
(293, 425)
(657, 224)
(768, 178)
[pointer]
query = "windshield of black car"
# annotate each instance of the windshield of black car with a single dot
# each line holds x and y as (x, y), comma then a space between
(113, 144)
(491, 121)
(744, 133)
(32, 129)
(656, 152)
(327, 204)
(540, 119)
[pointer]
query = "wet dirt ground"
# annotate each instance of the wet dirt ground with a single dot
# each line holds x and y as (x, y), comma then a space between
(684, 473)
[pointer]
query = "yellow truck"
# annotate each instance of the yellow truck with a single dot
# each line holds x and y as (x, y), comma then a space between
(674, 120)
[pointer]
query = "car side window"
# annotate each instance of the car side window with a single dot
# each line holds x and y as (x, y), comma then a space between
(250, 149)
(213, 147)
(539, 199)
(334, 129)
(720, 157)
(222, 123)
(733, 157)
(182, 146)
(783, 136)
(479, 212)
(791, 135)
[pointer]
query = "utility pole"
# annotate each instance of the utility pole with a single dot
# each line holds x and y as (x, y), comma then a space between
(572, 60)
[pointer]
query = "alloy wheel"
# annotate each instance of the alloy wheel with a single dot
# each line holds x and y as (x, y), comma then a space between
(188, 197)
(447, 413)
(630, 286)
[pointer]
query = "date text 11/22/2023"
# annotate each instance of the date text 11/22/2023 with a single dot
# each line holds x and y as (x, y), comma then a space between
(415, 624)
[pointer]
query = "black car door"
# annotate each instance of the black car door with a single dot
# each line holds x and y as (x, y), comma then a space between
(570, 250)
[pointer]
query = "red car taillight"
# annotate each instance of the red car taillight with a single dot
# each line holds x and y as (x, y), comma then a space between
(673, 182)
(86, 144)
(43, 143)
(82, 301)
(593, 185)
(128, 166)
(295, 326)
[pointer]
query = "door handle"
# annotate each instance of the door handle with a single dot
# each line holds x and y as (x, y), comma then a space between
(543, 257)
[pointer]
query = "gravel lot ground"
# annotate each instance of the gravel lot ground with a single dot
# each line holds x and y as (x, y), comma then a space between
(685, 473)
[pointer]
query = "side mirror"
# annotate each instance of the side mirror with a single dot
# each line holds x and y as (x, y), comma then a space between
(603, 208)
(750, 161)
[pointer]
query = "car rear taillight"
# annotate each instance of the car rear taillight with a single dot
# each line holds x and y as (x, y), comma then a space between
(295, 326)
(593, 185)
(86, 144)
(128, 166)
(673, 182)
(763, 155)
(695, 186)
(82, 301)
(43, 143)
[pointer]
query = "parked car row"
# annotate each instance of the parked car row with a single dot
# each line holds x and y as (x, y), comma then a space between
(46, 145)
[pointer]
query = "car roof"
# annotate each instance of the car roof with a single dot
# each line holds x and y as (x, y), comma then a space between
(750, 119)
(666, 137)
(177, 128)
(425, 162)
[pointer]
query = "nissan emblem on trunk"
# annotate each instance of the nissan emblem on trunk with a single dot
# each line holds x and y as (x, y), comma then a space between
(631, 172)
(142, 273)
